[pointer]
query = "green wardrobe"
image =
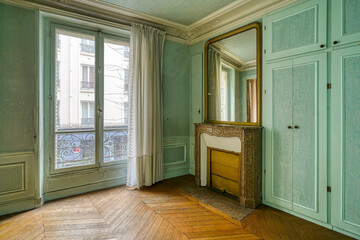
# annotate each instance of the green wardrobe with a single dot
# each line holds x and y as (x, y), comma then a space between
(311, 112)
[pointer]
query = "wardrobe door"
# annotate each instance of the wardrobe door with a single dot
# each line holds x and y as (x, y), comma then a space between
(345, 23)
(309, 139)
(345, 139)
(297, 29)
(278, 119)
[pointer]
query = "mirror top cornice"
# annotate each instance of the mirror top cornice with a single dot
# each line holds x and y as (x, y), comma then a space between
(233, 77)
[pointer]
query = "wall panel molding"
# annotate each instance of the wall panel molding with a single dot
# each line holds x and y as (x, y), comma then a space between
(16, 178)
(179, 148)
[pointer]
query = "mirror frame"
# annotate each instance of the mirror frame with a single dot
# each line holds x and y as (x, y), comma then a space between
(257, 26)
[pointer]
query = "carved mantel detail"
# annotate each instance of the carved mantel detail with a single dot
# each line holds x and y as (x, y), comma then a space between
(250, 167)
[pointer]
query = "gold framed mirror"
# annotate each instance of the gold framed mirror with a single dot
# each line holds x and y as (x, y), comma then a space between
(233, 77)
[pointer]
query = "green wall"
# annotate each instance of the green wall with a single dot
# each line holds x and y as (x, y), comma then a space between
(176, 92)
(176, 108)
(17, 79)
(18, 191)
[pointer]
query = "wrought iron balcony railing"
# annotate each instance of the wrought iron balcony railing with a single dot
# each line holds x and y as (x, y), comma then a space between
(78, 148)
(87, 85)
(86, 48)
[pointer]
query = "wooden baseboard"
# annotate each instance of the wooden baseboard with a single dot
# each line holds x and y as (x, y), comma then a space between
(83, 189)
(18, 206)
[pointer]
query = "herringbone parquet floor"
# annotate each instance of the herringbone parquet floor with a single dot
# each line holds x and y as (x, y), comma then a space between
(158, 212)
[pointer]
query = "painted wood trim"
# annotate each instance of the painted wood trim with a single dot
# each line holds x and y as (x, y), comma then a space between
(16, 206)
(179, 168)
(84, 189)
(184, 146)
(26, 162)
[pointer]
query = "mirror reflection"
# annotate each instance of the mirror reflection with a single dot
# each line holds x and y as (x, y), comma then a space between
(232, 78)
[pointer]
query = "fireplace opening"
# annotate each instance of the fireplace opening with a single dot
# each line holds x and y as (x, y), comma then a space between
(224, 170)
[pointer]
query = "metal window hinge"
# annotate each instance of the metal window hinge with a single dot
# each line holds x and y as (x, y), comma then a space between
(264, 51)
(264, 28)
(329, 86)
(50, 97)
(99, 70)
(264, 171)
(328, 189)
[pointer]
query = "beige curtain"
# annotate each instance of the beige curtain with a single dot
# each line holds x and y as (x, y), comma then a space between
(251, 100)
(214, 70)
(145, 150)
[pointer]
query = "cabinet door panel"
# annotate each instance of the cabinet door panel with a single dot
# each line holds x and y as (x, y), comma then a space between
(304, 158)
(282, 136)
(294, 30)
(309, 149)
(278, 149)
(346, 139)
(286, 34)
(345, 21)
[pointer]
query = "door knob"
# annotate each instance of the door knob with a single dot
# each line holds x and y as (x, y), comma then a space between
(322, 45)
(296, 127)
(289, 127)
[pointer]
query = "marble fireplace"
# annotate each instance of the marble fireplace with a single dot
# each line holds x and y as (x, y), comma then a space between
(245, 140)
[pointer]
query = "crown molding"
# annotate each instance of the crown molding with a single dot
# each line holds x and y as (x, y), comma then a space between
(108, 7)
(249, 12)
(227, 18)
(233, 57)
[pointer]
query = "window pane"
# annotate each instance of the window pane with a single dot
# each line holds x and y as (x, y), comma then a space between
(75, 100)
(116, 68)
(116, 81)
(84, 73)
(74, 149)
(92, 74)
(73, 86)
(84, 109)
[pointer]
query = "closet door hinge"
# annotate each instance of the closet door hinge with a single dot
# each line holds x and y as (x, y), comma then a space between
(264, 51)
(328, 189)
(264, 28)
(329, 86)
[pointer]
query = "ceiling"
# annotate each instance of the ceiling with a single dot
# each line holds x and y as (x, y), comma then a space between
(184, 12)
